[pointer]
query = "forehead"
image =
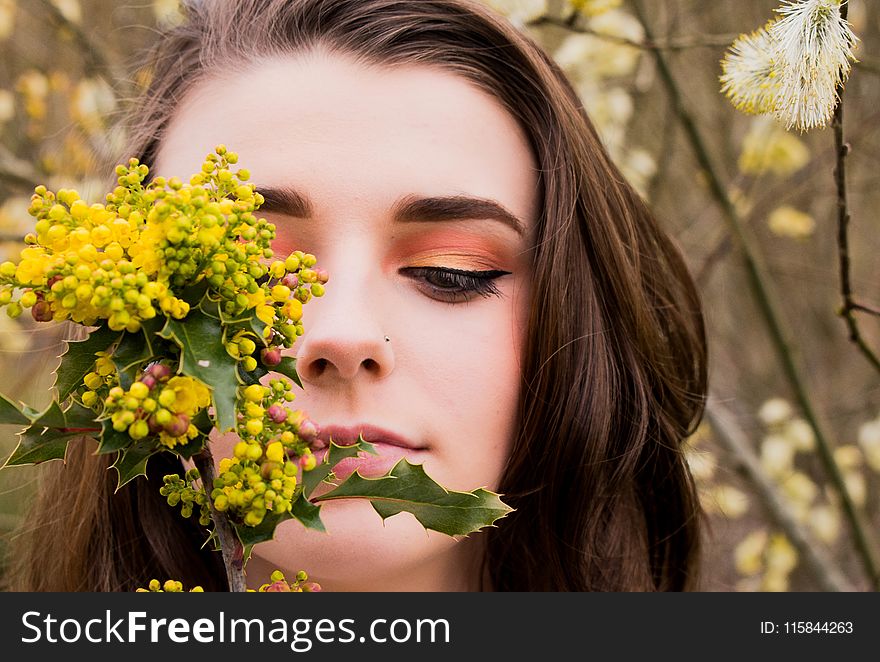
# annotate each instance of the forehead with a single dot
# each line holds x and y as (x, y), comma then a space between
(321, 120)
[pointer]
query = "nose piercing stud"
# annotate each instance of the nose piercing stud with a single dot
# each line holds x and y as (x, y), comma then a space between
(387, 339)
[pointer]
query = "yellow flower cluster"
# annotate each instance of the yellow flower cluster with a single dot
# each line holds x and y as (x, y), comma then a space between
(132, 258)
(279, 584)
(261, 477)
(170, 586)
(182, 492)
(254, 483)
(156, 404)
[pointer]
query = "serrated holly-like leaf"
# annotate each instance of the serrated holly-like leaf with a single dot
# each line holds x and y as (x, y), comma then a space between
(407, 488)
(335, 453)
(133, 350)
(252, 535)
(79, 359)
(287, 367)
(112, 440)
(202, 422)
(307, 513)
(203, 356)
(195, 294)
(132, 461)
(40, 445)
(10, 414)
(47, 437)
(253, 377)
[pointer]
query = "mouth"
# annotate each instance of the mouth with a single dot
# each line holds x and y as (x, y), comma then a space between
(390, 448)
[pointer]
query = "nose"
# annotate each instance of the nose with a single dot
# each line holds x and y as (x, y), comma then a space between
(344, 339)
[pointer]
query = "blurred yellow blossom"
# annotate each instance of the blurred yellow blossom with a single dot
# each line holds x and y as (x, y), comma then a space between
(799, 488)
(92, 102)
(775, 411)
(34, 89)
(777, 455)
(639, 167)
(70, 9)
(869, 441)
(7, 18)
(855, 487)
(774, 582)
(786, 221)
(848, 457)
(702, 463)
(780, 558)
(592, 7)
(587, 56)
(7, 106)
(768, 147)
(520, 12)
(168, 12)
(800, 434)
(825, 523)
(730, 501)
(749, 553)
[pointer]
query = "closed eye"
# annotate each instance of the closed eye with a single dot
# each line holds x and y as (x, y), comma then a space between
(455, 285)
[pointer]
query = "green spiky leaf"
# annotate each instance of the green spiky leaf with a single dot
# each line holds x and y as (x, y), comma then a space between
(79, 359)
(407, 488)
(47, 437)
(287, 367)
(307, 513)
(253, 535)
(112, 440)
(132, 461)
(11, 414)
(133, 350)
(204, 357)
(323, 472)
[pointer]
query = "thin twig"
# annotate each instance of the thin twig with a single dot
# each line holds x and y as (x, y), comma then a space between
(842, 149)
(734, 440)
(759, 283)
(671, 44)
(230, 545)
(860, 307)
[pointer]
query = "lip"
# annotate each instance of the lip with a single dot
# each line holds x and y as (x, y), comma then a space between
(346, 435)
(390, 448)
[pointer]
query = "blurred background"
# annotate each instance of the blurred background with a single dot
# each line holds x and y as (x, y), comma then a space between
(776, 517)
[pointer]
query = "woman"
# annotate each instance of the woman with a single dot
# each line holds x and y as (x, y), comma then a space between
(502, 307)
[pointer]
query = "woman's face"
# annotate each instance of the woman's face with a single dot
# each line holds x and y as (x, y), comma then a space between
(396, 179)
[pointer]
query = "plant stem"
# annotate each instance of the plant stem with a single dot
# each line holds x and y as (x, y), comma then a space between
(672, 44)
(734, 441)
(230, 545)
(759, 284)
(849, 307)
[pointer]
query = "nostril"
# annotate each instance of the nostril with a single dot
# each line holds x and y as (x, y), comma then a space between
(370, 365)
(318, 366)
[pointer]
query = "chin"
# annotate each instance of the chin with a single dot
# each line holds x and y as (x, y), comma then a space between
(360, 552)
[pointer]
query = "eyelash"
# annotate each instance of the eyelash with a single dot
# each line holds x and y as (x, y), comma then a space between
(463, 283)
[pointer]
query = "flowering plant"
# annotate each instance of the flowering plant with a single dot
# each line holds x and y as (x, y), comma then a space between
(189, 312)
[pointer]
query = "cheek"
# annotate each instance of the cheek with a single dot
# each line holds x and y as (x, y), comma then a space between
(476, 372)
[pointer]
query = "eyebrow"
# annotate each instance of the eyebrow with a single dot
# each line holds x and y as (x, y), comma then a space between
(409, 209)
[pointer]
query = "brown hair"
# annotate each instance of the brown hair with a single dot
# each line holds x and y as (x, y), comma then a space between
(614, 370)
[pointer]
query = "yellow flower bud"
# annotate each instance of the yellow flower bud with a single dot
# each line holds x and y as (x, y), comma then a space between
(275, 452)
(254, 393)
